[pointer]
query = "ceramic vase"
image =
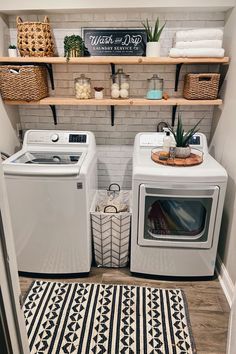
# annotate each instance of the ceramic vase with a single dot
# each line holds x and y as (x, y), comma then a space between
(153, 49)
(12, 53)
(182, 152)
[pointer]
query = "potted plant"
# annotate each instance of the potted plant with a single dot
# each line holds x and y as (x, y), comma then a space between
(12, 51)
(153, 36)
(182, 138)
(73, 46)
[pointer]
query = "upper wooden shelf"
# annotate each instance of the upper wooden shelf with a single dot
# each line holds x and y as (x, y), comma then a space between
(115, 60)
(72, 101)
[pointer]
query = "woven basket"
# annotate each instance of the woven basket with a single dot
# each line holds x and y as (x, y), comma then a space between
(23, 83)
(34, 39)
(201, 86)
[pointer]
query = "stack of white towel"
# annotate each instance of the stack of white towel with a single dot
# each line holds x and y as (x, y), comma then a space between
(206, 42)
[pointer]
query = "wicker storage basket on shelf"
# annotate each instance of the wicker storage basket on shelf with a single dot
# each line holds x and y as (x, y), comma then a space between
(34, 39)
(201, 86)
(23, 83)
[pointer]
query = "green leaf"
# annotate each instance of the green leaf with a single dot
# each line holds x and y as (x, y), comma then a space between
(182, 138)
(159, 33)
(153, 35)
(156, 29)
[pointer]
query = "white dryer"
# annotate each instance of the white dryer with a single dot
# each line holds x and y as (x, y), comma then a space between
(50, 184)
(176, 212)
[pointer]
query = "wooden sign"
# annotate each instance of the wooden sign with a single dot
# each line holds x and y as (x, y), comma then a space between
(123, 42)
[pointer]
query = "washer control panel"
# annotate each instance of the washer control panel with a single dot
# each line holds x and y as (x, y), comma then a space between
(54, 138)
(78, 138)
(57, 137)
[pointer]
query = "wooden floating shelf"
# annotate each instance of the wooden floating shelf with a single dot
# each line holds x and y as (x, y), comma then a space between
(115, 60)
(71, 101)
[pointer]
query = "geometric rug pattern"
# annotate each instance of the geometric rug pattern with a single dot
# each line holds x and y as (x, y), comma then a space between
(106, 319)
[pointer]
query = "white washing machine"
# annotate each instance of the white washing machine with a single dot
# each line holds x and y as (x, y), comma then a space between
(176, 212)
(50, 184)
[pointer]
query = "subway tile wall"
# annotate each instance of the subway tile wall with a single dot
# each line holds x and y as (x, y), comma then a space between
(115, 143)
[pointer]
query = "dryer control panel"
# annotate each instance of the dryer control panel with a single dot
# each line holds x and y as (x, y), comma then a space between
(198, 141)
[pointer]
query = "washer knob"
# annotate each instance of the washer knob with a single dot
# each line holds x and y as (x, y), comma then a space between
(55, 138)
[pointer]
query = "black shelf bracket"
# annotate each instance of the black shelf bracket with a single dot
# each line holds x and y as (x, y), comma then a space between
(113, 71)
(112, 115)
(50, 73)
(174, 108)
(54, 113)
(113, 68)
(177, 72)
(223, 69)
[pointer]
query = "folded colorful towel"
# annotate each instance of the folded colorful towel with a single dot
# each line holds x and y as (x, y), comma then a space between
(197, 53)
(214, 43)
(199, 34)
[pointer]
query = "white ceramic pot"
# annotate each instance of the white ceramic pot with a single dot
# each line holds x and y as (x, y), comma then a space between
(12, 52)
(153, 49)
(182, 152)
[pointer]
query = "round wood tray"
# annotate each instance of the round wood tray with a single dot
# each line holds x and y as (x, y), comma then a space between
(192, 160)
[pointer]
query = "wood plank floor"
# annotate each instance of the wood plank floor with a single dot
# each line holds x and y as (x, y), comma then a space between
(208, 308)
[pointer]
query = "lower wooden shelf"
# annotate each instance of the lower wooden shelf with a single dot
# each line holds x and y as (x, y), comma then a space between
(72, 101)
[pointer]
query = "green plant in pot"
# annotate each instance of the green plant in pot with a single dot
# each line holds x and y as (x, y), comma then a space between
(183, 138)
(74, 46)
(153, 37)
(12, 50)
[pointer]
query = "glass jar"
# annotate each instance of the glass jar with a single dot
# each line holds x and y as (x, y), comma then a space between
(155, 88)
(83, 87)
(119, 85)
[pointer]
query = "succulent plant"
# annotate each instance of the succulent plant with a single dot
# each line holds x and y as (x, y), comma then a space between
(181, 137)
(74, 46)
(153, 35)
(12, 46)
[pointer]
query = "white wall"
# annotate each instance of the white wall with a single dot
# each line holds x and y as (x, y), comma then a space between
(8, 116)
(14, 5)
(223, 147)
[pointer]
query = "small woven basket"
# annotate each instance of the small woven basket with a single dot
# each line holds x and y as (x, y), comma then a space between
(201, 86)
(23, 83)
(34, 39)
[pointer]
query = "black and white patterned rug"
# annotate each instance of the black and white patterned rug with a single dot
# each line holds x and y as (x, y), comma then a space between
(110, 319)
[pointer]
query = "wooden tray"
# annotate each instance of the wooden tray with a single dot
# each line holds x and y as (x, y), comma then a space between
(192, 160)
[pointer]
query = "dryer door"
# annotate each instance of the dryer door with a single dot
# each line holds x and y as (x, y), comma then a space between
(181, 216)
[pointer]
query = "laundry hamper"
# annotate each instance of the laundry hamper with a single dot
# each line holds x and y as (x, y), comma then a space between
(201, 86)
(23, 83)
(111, 231)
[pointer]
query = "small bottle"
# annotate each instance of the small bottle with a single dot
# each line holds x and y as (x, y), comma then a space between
(167, 142)
(172, 149)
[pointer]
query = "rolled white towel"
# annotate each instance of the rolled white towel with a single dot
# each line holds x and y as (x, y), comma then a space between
(197, 53)
(214, 43)
(199, 34)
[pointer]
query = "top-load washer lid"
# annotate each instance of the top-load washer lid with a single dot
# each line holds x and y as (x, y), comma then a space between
(48, 158)
(44, 163)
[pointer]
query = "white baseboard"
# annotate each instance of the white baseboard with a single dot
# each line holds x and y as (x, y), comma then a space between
(225, 280)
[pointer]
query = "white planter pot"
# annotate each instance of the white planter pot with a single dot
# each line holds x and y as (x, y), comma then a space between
(182, 152)
(153, 49)
(12, 52)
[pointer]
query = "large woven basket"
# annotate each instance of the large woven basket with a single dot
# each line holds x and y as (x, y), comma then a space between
(23, 83)
(34, 39)
(201, 86)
